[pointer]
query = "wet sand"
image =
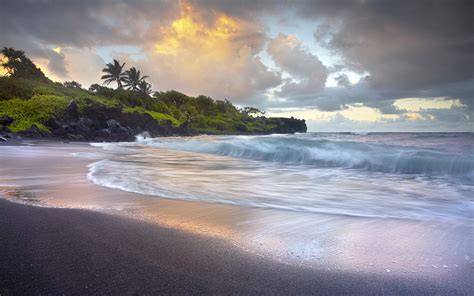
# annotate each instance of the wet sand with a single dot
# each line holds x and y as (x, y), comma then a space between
(125, 243)
(67, 251)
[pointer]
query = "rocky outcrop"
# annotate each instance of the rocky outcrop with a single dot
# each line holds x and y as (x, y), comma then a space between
(109, 124)
(99, 123)
(287, 125)
(5, 121)
(34, 132)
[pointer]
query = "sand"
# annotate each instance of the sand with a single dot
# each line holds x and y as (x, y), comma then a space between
(67, 251)
(64, 235)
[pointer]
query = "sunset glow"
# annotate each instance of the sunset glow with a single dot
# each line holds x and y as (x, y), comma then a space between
(190, 31)
(322, 65)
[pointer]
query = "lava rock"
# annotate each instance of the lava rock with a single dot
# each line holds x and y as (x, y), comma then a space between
(72, 110)
(34, 132)
(6, 120)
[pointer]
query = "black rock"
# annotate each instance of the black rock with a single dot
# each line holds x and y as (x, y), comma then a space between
(34, 132)
(6, 120)
(85, 124)
(72, 110)
(102, 135)
(75, 137)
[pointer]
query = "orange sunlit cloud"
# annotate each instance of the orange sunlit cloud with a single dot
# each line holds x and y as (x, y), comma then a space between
(189, 30)
(215, 57)
(57, 49)
(2, 70)
(43, 64)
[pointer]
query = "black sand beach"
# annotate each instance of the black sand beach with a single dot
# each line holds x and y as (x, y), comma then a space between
(77, 252)
(92, 240)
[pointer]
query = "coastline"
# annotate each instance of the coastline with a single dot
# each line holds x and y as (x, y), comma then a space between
(246, 250)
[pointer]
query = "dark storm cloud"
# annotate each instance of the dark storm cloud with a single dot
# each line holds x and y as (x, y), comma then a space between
(402, 44)
(339, 98)
(37, 26)
(408, 48)
(79, 23)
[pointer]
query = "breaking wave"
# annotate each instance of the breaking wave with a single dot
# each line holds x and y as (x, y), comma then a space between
(394, 176)
(326, 152)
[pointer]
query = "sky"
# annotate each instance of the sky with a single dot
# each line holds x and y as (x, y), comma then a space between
(341, 65)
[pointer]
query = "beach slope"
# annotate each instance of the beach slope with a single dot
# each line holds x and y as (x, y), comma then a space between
(68, 251)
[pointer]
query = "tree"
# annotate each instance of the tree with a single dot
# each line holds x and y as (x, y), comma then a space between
(72, 84)
(18, 65)
(114, 73)
(102, 90)
(133, 78)
(251, 110)
(145, 87)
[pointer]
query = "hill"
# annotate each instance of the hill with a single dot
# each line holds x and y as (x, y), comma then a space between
(37, 107)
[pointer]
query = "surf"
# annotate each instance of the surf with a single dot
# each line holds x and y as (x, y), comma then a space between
(355, 175)
(327, 152)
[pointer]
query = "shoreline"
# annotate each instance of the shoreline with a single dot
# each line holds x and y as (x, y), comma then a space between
(47, 250)
(309, 253)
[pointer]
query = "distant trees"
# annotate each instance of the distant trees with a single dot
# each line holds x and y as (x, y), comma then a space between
(145, 88)
(102, 90)
(114, 73)
(252, 111)
(72, 84)
(17, 65)
(133, 78)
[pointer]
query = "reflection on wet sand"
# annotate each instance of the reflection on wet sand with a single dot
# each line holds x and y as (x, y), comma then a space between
(48, 176)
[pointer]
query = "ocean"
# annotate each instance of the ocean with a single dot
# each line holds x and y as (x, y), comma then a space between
(417, 176)
(399, 204)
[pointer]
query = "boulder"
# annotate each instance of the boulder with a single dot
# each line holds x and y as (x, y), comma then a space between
(102, 135)
(6, 120)
(34, 132)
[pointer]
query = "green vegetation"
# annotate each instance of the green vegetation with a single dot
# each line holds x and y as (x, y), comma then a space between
(35, 111)
(30, 99)
(160, 117)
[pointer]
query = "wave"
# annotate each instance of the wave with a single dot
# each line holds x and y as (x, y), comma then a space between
(304, 173)
(328, 152)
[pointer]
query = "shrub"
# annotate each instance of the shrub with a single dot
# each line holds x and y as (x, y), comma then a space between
(15, 88)
(36, 110)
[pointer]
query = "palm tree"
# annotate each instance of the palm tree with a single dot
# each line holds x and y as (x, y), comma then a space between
(145, 87)
(133, 78)
(114, 73)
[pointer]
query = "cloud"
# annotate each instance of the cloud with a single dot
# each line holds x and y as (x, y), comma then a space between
(217, 58)
(402, 45)
(189, 48)
(455, 114)
(289, 55)
(343, 80)
(340, 123)
(88, 71)
(421, 49)
(39, 26)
